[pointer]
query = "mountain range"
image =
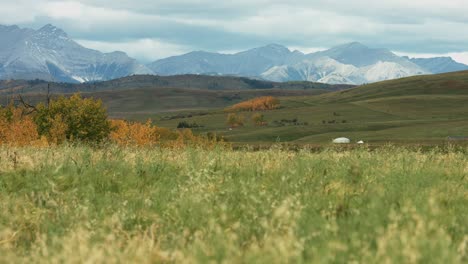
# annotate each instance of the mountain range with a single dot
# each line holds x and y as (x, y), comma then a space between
(50, 54)
(351, 63)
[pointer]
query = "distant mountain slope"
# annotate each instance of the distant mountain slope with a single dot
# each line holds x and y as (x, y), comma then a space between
(328, 70)
(199, 82)
(440, 64)
(248, 63)
(49, 54)
(359, 55)
(322, 69)
(351, 63)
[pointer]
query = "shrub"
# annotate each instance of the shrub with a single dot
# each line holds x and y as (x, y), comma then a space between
(133, 134)
(73, 118)
(235, 120)
(290, 122)
(215, 137)
(185, 124)
(259, 119)
(185, 137)
(126, 133)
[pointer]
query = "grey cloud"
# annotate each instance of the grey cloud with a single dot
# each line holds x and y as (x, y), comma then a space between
(388, 11)
(427, 26)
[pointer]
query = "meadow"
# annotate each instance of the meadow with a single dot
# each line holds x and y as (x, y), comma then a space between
(419, 109)
(78, 204)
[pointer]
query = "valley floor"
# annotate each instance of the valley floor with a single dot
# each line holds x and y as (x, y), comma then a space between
(79, 204)
(406, 120)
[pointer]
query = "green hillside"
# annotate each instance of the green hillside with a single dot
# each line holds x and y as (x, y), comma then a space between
(422, 109)
(145, 102)
(198, 82)
(441, 84)
(139, 96)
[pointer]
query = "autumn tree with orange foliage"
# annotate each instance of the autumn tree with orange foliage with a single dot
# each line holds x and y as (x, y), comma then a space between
(133, 133)
(17, 128)
(256, 104)
(126, 133)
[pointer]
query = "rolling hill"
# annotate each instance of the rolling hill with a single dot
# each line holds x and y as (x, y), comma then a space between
(455, 83)
(200, 82)
(148, 94)
(425, 109)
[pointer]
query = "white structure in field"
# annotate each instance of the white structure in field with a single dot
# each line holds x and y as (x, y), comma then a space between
(360, 142)
(342, 140)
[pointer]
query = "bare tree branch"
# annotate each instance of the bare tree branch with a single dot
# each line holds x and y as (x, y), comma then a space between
(48, 95)
(30, 108)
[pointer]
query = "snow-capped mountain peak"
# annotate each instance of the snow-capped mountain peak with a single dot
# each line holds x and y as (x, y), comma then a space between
(328, 70)
(273, 48)
(384, 70)
(50, 54)
(52, 31)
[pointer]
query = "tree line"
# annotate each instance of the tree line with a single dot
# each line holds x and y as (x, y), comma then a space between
(85, 120)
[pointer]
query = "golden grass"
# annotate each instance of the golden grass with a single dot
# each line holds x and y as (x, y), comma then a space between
(76, 204)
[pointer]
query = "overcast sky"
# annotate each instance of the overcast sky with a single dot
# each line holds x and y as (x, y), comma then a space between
(149, 30)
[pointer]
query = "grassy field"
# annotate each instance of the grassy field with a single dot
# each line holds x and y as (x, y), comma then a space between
(421, 109)
(143, 103)
(115, 205)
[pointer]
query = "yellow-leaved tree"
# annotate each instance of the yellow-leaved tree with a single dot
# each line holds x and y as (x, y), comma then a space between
(73, 118)
(133, 133)
(256, 104)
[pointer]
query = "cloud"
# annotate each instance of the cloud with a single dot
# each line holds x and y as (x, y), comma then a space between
(460, 57)
(145, 50)
(20, 11)
(418, 26)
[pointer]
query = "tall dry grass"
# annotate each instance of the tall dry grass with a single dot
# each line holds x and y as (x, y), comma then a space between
(78, 204)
